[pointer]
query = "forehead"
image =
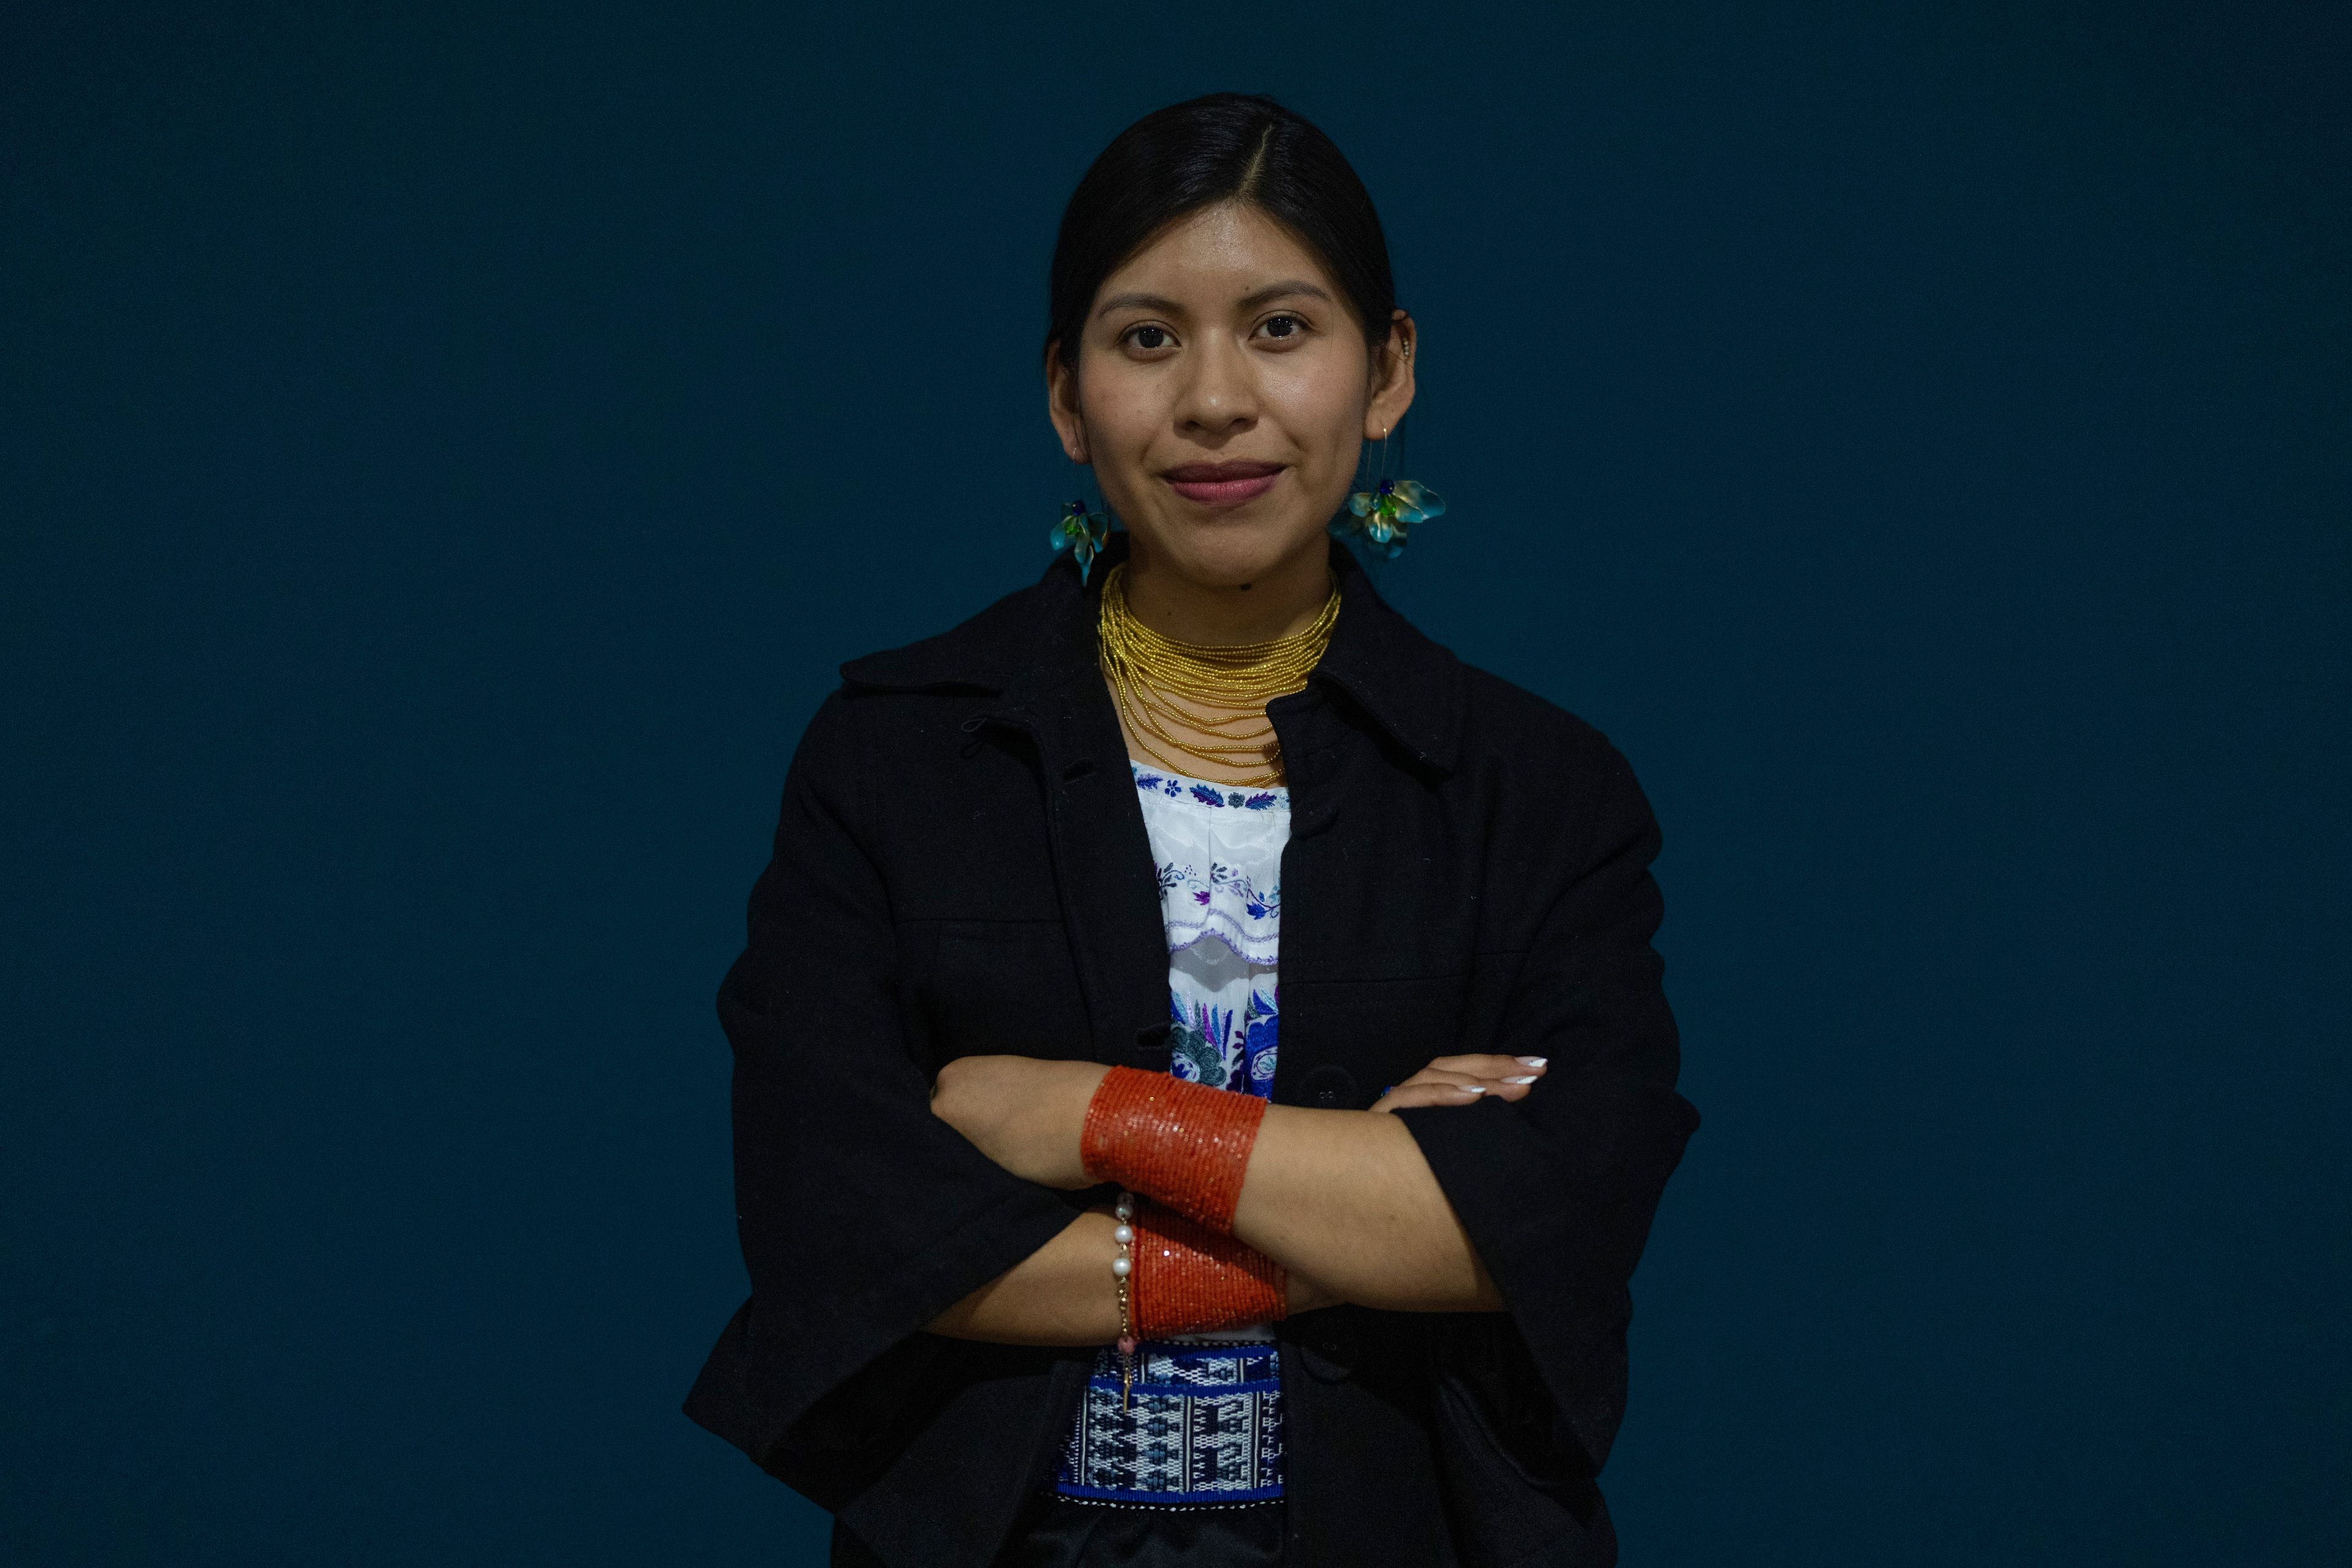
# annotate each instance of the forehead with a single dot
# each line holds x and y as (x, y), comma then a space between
(1215, 256)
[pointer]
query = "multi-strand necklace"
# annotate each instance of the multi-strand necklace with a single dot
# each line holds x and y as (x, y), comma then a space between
(1216, 690)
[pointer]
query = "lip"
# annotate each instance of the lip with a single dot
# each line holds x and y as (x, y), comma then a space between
(1222, 484)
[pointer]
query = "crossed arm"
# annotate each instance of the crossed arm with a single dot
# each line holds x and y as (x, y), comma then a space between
(1342, 1199)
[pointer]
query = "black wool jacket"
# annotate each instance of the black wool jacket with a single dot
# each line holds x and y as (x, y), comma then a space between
(961, 868)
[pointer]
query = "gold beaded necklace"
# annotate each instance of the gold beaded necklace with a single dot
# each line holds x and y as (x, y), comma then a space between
(1159, 682)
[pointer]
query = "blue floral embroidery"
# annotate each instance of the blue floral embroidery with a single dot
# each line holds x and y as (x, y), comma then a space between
(1181, 789)
(1258, 904)
(1197, 1043)
(1207, 1045)
(1260, 1038)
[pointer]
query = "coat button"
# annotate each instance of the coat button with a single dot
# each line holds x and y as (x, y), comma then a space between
(1151, 1047)
(1329, 1345)
(1332, 1087)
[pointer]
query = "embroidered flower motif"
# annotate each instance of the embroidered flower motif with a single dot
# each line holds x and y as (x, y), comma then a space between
(1196, 1044)
(1261, 1038)
(1209, 1044)
(1258, 904)
(1175, 788)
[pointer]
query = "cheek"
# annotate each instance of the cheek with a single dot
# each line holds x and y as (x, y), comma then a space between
(1324, 414)
(1122, 412)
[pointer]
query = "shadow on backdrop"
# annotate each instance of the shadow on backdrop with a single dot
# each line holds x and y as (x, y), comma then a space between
(446, 457)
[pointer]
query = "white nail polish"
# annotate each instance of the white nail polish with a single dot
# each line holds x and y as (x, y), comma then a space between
(1530, 1078)
(1474, 1088)
(1533, 1061)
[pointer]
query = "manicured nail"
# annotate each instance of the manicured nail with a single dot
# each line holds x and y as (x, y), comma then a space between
(1530, 1078)
(1533, 1061)
(1473, 1088)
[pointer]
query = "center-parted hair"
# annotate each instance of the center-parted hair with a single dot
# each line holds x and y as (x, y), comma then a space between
(1226, 147)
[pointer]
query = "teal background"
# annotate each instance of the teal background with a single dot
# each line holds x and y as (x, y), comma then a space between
(445, 451)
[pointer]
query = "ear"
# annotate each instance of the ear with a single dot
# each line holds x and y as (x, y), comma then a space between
(1392, 380)
(1062, 404)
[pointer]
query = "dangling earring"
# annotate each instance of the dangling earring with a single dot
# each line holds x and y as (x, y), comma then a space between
(1383, 513)
(1084, 531)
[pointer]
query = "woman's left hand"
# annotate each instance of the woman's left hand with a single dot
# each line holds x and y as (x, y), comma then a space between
(1022, 1112)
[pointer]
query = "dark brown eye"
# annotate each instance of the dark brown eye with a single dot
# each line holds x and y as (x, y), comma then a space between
(1150, 338)
(1282, 327)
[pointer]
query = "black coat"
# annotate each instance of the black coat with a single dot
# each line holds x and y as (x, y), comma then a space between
(961, 868)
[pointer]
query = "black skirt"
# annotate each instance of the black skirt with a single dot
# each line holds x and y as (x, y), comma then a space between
(1066, 1535)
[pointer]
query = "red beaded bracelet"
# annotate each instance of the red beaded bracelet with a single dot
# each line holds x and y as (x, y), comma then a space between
(1189, 1280)
(1186, 1145)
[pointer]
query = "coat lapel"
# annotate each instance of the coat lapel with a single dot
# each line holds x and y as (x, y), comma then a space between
(1379, 719)
(1102, 856)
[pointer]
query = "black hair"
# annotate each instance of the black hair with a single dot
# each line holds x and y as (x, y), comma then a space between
(1226, 147)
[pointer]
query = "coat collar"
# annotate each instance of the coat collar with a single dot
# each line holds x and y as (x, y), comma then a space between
(1033, 648)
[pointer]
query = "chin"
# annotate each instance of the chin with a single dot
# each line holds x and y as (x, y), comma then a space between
(1228, 552)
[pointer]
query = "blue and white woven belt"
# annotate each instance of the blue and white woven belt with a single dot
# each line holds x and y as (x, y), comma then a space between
(1203, 1427)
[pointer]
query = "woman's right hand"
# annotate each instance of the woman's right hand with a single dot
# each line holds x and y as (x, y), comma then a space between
(1465, 1080)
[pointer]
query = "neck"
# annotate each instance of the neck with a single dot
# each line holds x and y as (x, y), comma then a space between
(1282, 601)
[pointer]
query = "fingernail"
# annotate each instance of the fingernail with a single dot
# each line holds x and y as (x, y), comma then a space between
(1533, 1061)
(1530, 1078)
(1474, 1088)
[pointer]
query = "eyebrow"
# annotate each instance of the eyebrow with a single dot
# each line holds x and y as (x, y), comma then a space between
(1283, 290)
(1267, 295)
(1166, 307)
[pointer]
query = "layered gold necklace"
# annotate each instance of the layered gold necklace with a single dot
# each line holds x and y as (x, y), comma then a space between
(1216, 690)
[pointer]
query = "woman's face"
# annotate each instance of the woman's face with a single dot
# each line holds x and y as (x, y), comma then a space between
(1223, 395)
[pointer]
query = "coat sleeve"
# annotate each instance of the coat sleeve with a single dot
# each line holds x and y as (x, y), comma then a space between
(1557, 1191)
(861, 1214)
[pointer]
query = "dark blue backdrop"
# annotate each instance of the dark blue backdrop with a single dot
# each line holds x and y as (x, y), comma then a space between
(445, 456)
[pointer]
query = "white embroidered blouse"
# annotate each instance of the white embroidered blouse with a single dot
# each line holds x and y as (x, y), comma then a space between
(1219, 853)
(1203, 1426)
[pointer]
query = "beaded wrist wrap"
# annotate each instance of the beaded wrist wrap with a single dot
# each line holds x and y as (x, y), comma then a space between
(1190, 1279)
(1186, 1145)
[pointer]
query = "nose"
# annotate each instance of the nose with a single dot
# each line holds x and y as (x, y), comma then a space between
(1220, 394)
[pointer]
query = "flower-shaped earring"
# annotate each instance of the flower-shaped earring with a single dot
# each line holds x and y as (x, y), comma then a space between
(1084, 531)
(1383, 515)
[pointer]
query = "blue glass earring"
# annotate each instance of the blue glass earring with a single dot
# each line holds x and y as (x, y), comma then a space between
(1084, 531)
(1383, 514)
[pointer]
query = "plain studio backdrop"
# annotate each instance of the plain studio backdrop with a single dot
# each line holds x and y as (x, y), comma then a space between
(447, 451)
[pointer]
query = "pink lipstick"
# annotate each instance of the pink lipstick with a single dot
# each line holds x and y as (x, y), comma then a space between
(1222, 484)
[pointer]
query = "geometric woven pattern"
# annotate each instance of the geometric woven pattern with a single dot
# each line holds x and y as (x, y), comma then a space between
(1203, 1427)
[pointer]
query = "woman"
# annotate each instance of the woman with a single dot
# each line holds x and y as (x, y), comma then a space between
(1074, 1234)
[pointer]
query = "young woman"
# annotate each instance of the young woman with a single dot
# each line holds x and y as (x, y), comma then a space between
(1201, 1077)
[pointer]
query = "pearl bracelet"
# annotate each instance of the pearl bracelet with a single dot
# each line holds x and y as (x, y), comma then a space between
(1122, 1270)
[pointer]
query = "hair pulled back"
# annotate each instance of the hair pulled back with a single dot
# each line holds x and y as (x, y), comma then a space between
(1226, 147)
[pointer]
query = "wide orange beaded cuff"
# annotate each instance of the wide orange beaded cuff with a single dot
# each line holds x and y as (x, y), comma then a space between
(1189, 1280)
(1186, 1145)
